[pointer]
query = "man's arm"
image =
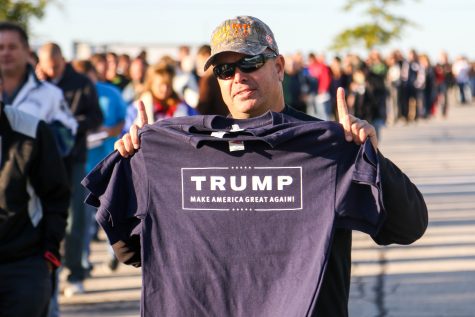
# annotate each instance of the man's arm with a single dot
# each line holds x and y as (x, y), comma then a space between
(49, 180)
(406, 211)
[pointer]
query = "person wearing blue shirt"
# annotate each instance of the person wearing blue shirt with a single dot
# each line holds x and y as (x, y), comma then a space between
(101, 142)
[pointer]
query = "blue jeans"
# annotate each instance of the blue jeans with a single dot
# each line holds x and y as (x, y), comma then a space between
(463, 98)
(53, 309)
(90, 230)
(76, 229)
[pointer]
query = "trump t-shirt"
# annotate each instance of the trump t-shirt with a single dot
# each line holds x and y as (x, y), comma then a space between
(236, 217)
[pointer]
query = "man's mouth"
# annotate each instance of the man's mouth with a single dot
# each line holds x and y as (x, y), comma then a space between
(244, 92)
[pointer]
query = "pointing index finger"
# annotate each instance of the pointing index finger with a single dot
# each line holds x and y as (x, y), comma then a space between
(142, 114)
(343, 116)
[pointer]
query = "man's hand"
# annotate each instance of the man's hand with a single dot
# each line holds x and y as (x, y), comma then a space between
(356, 130)
(130, 141)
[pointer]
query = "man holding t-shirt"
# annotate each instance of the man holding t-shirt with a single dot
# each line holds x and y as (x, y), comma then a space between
(245, 59)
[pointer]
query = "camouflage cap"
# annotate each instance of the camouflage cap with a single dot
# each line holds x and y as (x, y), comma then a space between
(243, 34)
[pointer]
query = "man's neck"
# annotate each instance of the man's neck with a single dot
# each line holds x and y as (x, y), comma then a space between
(12, 81)
(58, 78)
(240, 115)
(278, 108)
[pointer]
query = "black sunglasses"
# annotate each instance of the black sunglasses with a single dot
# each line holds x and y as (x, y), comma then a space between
(247, 64)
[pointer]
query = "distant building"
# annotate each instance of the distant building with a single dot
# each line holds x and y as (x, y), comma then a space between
(83, 50)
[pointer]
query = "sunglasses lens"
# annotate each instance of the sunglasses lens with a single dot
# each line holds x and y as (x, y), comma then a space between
(250, 64)
(224, 71)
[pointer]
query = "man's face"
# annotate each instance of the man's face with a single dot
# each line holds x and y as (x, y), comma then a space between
(101, 68)
(51, 66)
(111, 63)
(14, 53)
(252, 94)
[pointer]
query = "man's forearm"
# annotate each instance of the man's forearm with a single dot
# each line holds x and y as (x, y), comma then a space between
(406, 219)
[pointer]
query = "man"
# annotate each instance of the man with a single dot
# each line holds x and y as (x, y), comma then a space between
(24, 91)
(34, 198)
(250, 90)
(112, 75)
(82, 99)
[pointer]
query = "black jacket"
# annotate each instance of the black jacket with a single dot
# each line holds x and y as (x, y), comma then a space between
(81, 95)
(34, 190)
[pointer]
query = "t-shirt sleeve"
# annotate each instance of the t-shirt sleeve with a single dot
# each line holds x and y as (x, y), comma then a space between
(118, 188)
(359, 204)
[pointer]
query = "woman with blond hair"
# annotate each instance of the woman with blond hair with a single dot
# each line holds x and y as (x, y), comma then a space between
(158, 97)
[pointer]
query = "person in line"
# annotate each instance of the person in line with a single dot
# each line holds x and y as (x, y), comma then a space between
(113, 75)
(34, 199)
(137, 71)
(210, 101)
(81, 97)
(158, 96)
(101, 143)
(24, 91)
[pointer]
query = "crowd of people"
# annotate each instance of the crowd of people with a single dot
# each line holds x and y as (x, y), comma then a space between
(96, 101)
(380, 89)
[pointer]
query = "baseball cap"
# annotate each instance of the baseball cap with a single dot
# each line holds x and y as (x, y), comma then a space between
(243, 34)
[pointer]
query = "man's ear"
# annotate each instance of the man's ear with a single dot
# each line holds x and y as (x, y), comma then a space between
(280, 67)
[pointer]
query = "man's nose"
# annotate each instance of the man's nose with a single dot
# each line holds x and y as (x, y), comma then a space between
(239, 76)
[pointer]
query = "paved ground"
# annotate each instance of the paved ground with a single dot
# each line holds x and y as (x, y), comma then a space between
(436, 275)
(433, 277)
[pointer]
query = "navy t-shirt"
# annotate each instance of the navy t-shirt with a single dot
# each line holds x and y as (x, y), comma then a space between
(236, 233)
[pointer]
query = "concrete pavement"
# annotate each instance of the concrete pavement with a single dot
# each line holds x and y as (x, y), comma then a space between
(436, 275)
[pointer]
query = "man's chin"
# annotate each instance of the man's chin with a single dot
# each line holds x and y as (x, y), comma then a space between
(246, 106)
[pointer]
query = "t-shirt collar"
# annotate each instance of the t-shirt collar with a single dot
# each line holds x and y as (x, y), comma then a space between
(268, 119)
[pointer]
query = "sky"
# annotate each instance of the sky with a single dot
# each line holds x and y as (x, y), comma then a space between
(298, 25)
